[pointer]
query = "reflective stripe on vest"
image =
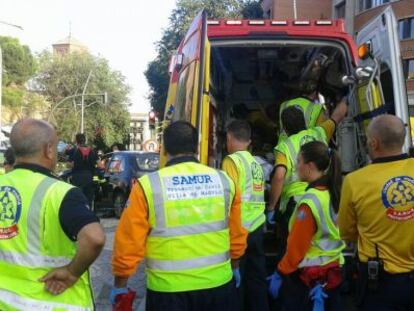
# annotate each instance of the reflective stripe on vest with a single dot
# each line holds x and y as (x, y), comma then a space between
(176, 265)
(323, 239)
(307, 108)
(189, 242)
(31, 304)
(39, 246)
(34, 257)
(293, 144)
(251, 219)
(161, 230)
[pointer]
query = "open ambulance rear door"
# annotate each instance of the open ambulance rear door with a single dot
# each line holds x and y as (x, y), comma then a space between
(189, 86)
(385, 92)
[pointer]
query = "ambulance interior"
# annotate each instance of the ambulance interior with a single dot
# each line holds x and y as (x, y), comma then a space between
(249, 80)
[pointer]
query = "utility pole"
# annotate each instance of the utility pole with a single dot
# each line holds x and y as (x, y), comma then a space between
(83, 101)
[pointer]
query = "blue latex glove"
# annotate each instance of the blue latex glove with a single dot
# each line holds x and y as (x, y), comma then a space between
(270, 216)
(115, 291)
(275, 284)
(318, 295)
(237, 277)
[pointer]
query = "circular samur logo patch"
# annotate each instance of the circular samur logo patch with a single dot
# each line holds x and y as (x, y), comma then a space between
(10, 211)
(398, 198)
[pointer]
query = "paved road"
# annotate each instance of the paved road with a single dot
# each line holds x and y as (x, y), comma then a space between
(102, 278)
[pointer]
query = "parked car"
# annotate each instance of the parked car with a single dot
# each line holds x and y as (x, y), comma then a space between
(122, 169)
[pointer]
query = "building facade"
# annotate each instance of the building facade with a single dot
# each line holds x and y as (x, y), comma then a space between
(359, 13)
(297, 9)
(139, 131)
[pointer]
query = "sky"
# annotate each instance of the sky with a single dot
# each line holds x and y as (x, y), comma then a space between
(123, 31)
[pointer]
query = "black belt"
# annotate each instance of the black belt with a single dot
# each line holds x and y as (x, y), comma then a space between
(410, 274)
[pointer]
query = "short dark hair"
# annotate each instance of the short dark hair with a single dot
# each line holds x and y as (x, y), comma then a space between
(240, 129)
(80, 138)
(180, 137)
(293, 120)
(9, 156)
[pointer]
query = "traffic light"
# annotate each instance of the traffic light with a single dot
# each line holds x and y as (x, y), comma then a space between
(151, 119)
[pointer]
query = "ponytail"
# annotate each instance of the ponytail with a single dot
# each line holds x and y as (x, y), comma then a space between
(327, 161)
(334, 179)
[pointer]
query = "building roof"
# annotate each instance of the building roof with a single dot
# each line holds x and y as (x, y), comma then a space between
(69, 40)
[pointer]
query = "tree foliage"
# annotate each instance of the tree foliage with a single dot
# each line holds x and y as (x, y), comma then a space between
(18, 66)
(61, 79)
(179, 21)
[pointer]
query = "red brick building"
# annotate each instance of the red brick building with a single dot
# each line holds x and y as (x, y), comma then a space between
(287, 9)
(404, 12)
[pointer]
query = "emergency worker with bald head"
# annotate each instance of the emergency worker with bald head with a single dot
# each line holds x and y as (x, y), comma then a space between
(377, 212)
(48, 237)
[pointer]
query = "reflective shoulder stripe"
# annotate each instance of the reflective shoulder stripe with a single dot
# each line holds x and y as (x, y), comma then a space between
(158, 199)
(247, 192)
(308, 114)
(33, 230)
(22, 303)
(176, 265)
(228, 193)
(317, 204)
(33, 260)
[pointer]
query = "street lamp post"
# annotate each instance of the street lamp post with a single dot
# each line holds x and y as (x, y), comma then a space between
(104, 101)
(83, 101)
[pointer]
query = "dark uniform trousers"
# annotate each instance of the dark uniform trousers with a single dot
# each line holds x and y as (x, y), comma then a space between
(295, 296)
(395, 292)
(220, 298)
(253, 290)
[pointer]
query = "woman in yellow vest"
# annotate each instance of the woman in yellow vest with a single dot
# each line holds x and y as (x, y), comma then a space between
(310, 268)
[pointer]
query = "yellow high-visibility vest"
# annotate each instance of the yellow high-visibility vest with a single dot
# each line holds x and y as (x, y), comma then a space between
(32, 243)
(189, 243)
(251, 183)
(326, 245)
(290, 147)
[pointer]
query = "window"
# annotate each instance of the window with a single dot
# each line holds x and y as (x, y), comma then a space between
(406, 28)
(408, 66)
(117, 165)
(148, 162)
(368, 4)
(340, 10)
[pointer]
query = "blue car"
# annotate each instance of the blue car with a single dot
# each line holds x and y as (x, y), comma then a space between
(121, 170)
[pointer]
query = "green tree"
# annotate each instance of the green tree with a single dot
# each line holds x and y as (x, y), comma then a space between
(252, 10)
(60, 77)
(18, 67)
(179, 21)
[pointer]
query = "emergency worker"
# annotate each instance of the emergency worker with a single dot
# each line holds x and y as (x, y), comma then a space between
(311, 264)
(376, 210)
(248, 176)
(48, 237)
(312, 111)
(83, 159)
(286, 186)
(185, 220)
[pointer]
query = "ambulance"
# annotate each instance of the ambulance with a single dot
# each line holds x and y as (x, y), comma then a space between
(226, 69)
